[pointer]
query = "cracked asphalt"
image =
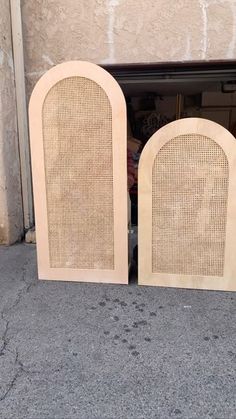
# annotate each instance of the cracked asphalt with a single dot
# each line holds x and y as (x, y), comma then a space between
(70, 350)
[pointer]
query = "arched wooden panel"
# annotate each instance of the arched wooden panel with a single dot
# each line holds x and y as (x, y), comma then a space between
(187, 207)
(78, 145)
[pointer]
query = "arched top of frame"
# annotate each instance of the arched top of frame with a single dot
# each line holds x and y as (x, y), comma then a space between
(187, 126)
(77, 69)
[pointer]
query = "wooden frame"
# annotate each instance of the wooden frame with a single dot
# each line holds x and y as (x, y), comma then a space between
(228, 143)
(22, 120)
(119, 150)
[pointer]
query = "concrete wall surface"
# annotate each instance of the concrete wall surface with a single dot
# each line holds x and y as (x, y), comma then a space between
(11, 221)
(125, 31)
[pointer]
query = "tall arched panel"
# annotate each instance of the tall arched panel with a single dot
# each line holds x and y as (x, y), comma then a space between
(78, 146)
(187, 207)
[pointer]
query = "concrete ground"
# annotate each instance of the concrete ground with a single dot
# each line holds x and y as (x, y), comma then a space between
(71, 350)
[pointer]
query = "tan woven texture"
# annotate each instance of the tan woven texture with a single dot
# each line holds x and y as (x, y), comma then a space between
(189, 195)
(77, 135)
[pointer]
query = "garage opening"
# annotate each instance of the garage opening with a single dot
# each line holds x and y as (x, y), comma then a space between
(157, 94)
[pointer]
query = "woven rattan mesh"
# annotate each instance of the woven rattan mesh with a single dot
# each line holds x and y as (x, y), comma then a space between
(189, 205)
(77, 135)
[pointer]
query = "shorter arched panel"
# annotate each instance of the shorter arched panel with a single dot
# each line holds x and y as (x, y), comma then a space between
(187, 211)
(78, 144)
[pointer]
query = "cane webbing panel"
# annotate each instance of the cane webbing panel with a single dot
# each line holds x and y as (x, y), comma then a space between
(189, 207)
(77, 137)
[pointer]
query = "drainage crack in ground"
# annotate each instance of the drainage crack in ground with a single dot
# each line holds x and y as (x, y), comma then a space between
(20, 369)
(4, 312)
(4, 336)
(14, 379)
(23, 290)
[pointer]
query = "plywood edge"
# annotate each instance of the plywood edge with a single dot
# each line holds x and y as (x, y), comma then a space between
(188, 282)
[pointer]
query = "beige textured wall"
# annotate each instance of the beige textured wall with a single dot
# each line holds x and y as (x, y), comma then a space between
(124, 31)
(101, 31)
(11, 226)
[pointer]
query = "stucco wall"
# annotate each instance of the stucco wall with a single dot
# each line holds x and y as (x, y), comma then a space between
(11, 226)
(101, 31)
(124, 31)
